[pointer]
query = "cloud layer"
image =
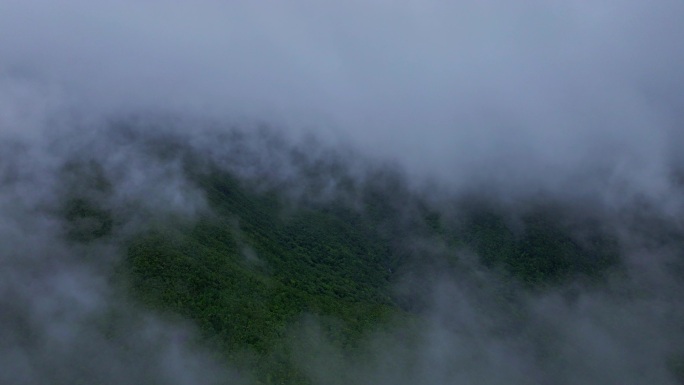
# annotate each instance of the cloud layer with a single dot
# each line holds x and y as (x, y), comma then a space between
(532, 93)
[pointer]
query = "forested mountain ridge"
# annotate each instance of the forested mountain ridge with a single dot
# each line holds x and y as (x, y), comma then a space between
(258, 260)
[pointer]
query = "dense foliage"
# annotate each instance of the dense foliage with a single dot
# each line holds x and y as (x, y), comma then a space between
(256, 262)
(248, 272)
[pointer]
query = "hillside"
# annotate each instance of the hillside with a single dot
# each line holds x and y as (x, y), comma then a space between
(257, 262)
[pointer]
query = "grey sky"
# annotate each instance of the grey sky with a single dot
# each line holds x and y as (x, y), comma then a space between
(525, 91)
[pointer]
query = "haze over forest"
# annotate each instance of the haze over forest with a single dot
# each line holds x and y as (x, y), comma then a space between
(380, 192)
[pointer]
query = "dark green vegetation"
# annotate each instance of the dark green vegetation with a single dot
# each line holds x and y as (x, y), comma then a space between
(258, 261)
(247, 273)
(537, 248)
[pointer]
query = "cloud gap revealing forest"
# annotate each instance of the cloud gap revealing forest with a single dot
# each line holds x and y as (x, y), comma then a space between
(318, 193)
(289, 264)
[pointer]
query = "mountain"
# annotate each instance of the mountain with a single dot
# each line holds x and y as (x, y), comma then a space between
(266, 256)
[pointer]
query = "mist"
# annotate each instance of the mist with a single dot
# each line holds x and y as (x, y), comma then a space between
(529, 94)
(573, 103)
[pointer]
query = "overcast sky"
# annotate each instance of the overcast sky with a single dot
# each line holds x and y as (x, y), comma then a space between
(523, 91)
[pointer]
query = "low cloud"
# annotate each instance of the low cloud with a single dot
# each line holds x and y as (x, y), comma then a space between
(526, 94)
(566, 101)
